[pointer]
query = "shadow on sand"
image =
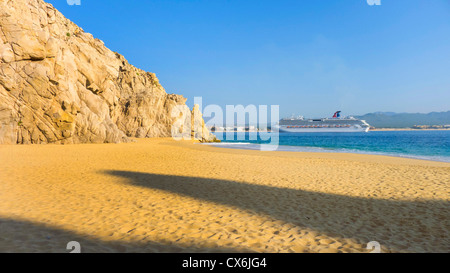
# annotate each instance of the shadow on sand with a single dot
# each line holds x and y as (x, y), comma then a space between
(19, 236)
(418, 226)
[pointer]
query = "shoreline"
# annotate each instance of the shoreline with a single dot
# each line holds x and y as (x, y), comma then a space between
(160, 195)
(376, 129)
(407, 129)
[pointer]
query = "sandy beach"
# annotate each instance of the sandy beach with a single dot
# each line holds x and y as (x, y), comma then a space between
(159, 195)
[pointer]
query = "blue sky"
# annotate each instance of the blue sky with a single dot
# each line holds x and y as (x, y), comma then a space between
(311, 57)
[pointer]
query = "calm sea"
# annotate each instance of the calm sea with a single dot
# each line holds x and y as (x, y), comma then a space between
(430, 145)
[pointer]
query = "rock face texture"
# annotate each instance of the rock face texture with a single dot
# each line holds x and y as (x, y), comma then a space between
(58, 84)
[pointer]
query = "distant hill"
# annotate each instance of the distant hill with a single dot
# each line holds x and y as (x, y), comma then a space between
(403, 120)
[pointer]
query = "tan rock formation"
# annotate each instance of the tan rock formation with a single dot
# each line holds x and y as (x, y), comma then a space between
(58, 84)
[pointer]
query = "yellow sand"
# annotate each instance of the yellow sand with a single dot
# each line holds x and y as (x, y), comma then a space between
(159, 195)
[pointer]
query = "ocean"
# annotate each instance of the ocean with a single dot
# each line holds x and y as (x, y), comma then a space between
(428, 145)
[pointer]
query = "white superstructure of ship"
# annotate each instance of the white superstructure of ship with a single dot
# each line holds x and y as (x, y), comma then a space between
(334, 124)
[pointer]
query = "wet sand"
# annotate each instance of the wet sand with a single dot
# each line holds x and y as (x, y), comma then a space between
(159, 195)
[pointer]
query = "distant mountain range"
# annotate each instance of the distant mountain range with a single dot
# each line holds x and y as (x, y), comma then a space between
(404, 120)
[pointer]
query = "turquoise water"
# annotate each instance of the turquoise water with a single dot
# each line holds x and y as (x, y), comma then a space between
(430, 145)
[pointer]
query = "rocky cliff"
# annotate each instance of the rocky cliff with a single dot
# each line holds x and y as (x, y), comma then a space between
(58, 84)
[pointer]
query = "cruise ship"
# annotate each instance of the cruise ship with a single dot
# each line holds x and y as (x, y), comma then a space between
(334, 124)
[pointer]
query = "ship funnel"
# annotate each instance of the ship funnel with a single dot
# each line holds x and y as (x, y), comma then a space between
(337, 114)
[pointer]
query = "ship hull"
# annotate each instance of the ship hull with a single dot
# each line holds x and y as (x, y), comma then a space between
(323, 130)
